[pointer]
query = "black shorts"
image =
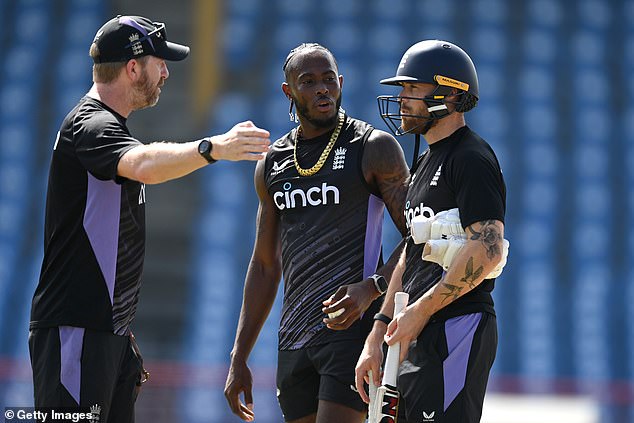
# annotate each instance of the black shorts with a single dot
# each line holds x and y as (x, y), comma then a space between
(445, 375)
(324, 372)
(80, 367)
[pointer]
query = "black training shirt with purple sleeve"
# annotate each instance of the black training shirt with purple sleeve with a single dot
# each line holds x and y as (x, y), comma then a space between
(94, 239)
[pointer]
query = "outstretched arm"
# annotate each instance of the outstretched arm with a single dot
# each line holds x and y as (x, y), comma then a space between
(260, 288)
(161, 161)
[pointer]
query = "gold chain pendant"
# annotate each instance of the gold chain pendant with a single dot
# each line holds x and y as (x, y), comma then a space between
(324, 154)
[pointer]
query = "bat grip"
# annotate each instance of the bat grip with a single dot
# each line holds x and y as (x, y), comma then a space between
(390, 372)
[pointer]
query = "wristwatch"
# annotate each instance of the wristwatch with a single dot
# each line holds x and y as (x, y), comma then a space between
(204, 149)
(379, 283)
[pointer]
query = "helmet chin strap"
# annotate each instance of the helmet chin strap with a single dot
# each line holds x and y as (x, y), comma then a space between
(437, 110)
(412, 168)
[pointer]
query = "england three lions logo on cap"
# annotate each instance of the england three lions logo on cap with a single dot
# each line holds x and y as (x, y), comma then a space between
(137, 47)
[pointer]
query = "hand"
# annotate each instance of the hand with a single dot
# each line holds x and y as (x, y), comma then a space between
(244, 141)
(240, 380)
(405, 327)
(354, 299)
(370, 361)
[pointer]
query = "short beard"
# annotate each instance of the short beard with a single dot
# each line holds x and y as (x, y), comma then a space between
(144, 93)
(421, 128)
(302, 110)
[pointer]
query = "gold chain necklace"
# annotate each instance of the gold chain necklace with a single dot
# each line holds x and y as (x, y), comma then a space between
(324, 154)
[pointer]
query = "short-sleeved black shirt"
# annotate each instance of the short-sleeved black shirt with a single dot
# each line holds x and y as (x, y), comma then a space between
(94, 237)
(458, 171)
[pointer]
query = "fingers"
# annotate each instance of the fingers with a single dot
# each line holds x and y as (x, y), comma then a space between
(391, 335)
(245, 412)
(359, 377)
(247, 148)
(248, 129)
(248, 398)
(340, 313)
(338, 295)
(244, 141)
(340, 317)
(334, 303)
(339, 323)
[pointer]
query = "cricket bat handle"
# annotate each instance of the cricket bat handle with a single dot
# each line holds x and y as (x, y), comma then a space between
(390, 370)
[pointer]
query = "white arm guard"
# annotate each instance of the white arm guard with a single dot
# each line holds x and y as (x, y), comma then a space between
(442, 226)
(443, 251)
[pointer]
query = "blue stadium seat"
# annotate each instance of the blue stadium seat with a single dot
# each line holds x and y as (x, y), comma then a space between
(238, 38)
(291, 9)
(490, 11)
(350, 9)
(344, 39)
(288, 35)
(384, 38)
(246, 8)
(546, 13)
(390, 10)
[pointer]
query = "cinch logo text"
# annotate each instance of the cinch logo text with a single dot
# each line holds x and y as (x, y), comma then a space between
(315, 196)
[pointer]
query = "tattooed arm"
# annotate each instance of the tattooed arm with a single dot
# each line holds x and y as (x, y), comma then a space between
(477, 258)
(480, 255)
(385, 172)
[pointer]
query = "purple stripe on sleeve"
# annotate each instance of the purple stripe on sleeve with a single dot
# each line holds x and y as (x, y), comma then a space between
(101, 223)
(459, 332)
(373, 233)
(71, 340)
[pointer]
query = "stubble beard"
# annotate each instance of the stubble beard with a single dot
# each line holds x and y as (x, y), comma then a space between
(328, 122)
(145, 93)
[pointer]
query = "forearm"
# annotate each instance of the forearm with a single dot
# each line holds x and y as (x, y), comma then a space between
(395, 285)
(161, 161)
(388, 268)
(468, 270)
(260, 290)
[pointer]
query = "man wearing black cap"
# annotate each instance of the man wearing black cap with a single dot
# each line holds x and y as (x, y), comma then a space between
(82, 350)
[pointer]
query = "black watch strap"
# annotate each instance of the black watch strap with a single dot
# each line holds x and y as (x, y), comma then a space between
(383, 318)
(204, 149)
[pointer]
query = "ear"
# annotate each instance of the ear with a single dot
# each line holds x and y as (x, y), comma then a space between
(286, 89)
(340, 81)
(133, 69)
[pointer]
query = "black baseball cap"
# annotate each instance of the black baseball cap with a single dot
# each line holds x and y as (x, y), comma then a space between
(128, 37)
